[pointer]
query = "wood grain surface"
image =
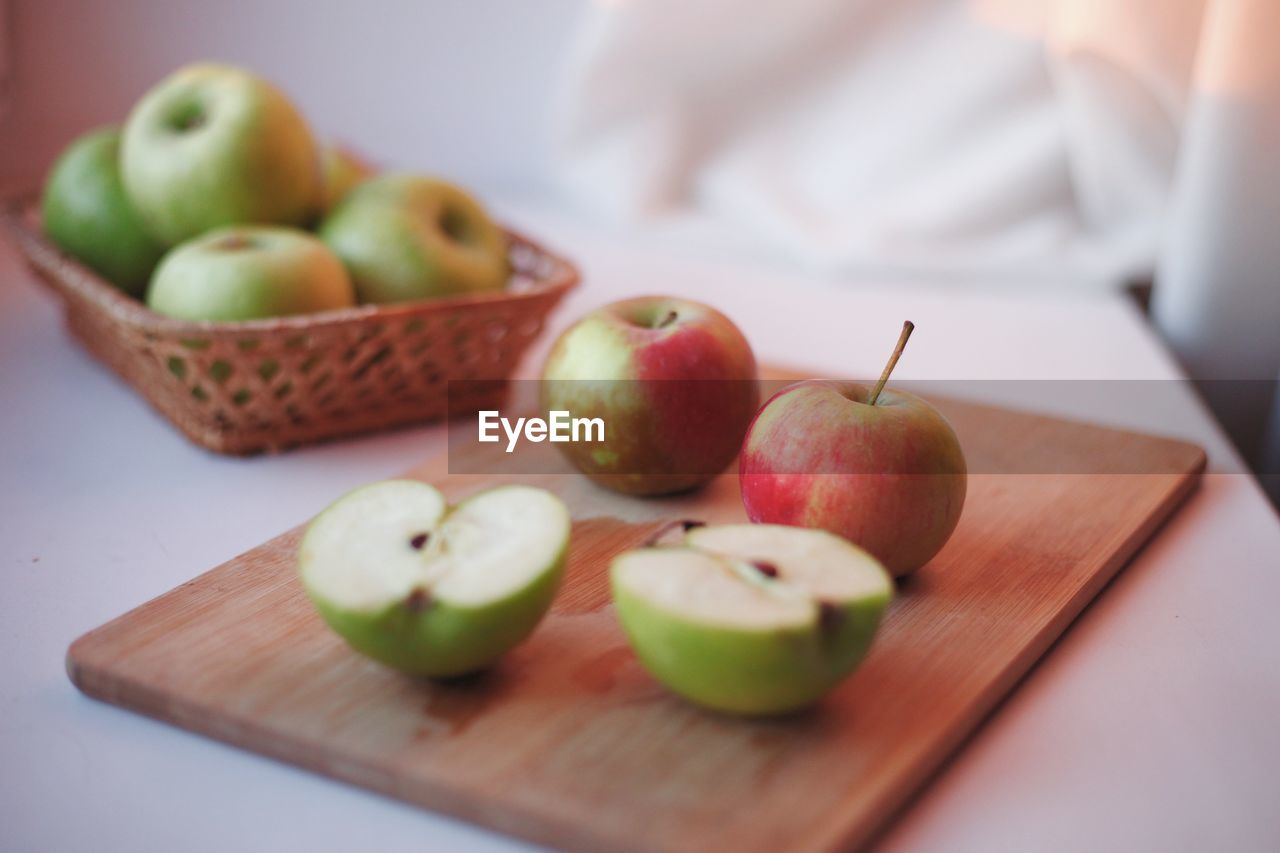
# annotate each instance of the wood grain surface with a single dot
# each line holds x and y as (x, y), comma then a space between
(570, 743)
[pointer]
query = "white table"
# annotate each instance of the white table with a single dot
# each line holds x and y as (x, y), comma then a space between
(1153, 724)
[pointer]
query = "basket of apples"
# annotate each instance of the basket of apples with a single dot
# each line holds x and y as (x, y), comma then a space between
(262, 293)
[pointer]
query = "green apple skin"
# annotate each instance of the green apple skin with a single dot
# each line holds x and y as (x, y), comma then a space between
(443, 640)
(343, 170)
(214, 145)
(249, 272)
(88, 215)
(675, 383)
(438, 639)
(889, 477)
(747, 672)
(406, 237)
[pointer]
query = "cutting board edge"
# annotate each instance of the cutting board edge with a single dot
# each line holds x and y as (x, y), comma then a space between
(191, 717)
(975, 718)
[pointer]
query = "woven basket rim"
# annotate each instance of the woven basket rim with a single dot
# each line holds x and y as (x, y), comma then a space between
(17, 215)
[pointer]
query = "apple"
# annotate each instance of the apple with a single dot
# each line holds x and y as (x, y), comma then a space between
(342, 170)
(214, 145)
(406, 237)
(433, 590)
(674, 382)
(751, 619)
(88, 215)
(880, 467)
(246, 272)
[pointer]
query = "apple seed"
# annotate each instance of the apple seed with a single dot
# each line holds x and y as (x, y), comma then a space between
(769, 570)
(418, 542)
(830, 617)
(417, 600)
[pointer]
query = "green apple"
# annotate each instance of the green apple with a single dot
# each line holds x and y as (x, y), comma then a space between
(429, 589)
(246, 272)
(88, 215)
(751, 619)
(674, 382)
(880, 467)
(342, 170)
(405, 237)
(214, 145)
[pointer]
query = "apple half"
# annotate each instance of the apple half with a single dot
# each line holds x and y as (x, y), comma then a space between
(751, 618)
(431, 589)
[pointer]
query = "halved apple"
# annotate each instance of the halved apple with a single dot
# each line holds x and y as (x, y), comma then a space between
(429, 589)
(751, 618)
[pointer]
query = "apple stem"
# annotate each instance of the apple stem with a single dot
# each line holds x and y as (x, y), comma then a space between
(907, 328)
(668, 320)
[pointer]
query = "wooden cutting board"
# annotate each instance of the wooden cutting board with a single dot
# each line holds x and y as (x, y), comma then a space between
(569, 742)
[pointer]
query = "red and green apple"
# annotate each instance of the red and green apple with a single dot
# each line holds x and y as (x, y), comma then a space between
(880, 467)
(674, 382)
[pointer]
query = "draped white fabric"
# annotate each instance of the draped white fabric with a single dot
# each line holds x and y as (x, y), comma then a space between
(1027, 139)
(1029, 142)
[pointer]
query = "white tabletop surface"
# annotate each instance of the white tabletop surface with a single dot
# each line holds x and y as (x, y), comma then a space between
(1154, 724)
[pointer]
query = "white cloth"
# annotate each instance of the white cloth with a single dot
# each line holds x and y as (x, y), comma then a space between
(1019, 141)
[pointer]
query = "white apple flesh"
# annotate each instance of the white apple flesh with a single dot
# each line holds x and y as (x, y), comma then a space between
(433, 590)
(751, 619)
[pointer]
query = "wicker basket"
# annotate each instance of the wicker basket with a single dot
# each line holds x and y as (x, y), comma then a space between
(268, 385)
